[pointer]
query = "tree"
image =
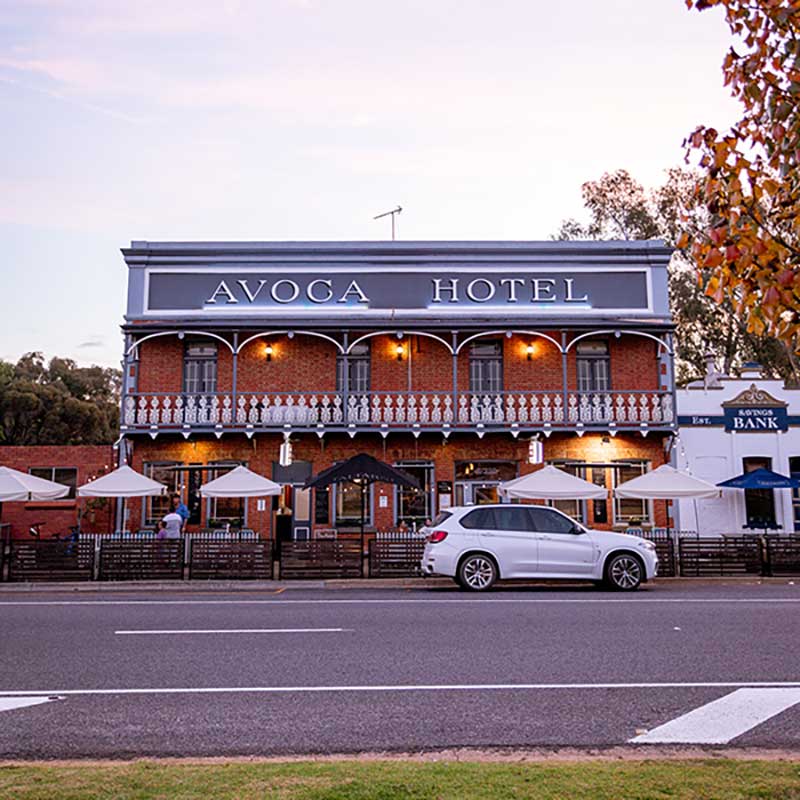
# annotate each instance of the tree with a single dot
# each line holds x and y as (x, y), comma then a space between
(620, 208)
(749, 252)
(57, 403)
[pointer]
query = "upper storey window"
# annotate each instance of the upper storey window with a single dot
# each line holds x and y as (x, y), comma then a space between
(486, 366)
(200, 368)
(593, 366)
(353, 372)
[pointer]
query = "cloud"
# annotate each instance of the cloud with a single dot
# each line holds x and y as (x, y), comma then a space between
(91, 343)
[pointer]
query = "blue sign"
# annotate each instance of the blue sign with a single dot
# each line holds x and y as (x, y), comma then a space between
(765, 419)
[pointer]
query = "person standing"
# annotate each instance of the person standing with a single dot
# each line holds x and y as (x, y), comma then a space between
(173, 523)
(180, 508)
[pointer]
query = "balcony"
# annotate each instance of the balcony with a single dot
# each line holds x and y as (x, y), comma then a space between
(396, 411)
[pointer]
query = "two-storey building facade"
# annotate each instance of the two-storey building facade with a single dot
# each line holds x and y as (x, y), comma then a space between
(464, 363)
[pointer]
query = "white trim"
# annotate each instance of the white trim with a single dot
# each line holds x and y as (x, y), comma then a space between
(621, 332)
(295, 331)
(509, 330)
(405, 334)
(175, 333)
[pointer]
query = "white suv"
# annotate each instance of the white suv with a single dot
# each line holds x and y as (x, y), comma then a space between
(477, 545)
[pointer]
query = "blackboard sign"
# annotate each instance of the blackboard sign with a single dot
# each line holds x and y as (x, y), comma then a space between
(444, 487)
(322, 506)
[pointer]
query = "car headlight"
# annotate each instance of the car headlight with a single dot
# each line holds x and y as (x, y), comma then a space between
(647, 545)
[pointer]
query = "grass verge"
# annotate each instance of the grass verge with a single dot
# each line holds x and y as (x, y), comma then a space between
(396, 780)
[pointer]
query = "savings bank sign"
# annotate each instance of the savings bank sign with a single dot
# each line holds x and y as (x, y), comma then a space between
(411, 292)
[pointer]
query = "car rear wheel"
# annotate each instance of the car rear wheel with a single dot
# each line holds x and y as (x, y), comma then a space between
(624, 573)
(477, 573)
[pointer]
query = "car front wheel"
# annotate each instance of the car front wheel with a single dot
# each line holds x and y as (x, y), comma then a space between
(477, 573)
(624, 573)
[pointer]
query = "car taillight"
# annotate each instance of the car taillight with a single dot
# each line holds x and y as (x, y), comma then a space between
(437, 536)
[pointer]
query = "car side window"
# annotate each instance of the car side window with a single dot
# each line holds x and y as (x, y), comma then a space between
(479, 518)
(513, 519)
(548, 521)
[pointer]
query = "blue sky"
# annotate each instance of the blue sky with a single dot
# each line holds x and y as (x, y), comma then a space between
(302, 119)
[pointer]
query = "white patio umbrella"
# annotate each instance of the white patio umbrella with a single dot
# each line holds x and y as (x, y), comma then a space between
(122, 482)
(667, 483)
(16, 485)
(240, 482)
(551, 483)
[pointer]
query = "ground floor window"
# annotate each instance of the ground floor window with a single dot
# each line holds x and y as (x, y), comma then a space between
(156, 508)
(415, 506)
(478, 482)
(348, 504)
(66, 475)
(629, 510)
(759, 504)
(224, 510)
(573, 508)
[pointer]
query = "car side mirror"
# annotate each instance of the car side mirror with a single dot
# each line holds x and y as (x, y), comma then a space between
(576, 530)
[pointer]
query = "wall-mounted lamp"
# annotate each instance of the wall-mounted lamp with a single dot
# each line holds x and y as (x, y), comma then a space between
(529, 351)
(268, 352)
(606, 440)
(399, 350)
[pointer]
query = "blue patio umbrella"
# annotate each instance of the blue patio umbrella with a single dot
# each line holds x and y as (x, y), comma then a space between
(761, 478)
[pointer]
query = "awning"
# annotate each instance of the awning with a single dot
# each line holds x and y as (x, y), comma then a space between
(666, 483)
(240, 482)
(122, 482)
(16, 485)
(551, 483)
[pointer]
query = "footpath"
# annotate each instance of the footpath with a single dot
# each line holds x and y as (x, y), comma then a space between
(366, 584)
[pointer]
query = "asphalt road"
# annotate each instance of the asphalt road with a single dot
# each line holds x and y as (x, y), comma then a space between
(340, 671)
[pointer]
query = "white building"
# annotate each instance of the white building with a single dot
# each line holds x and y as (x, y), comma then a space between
(727, 426)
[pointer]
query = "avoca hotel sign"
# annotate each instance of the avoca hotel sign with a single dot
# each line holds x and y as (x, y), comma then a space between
(277, 292)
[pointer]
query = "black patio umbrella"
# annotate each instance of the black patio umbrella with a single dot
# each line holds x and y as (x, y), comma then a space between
(362, 470)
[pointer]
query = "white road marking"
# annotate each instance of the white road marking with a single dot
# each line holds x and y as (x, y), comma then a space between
(236, 630)
(629, 601)
(455, 687)
(10, 703)
(722, 720)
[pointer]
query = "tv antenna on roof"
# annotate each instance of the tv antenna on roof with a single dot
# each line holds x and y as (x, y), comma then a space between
(391, 213)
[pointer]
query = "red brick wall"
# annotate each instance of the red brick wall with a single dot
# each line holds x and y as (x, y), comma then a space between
(260, 452)
(59, 515)
(308, 364)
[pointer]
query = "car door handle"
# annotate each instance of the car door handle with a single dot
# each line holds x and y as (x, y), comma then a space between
(544, 536)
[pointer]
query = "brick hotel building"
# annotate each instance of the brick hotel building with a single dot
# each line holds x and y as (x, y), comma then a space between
(465, 363)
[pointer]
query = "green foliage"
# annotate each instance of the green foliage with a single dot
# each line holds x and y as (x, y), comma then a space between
(620, 208)
(57, 403)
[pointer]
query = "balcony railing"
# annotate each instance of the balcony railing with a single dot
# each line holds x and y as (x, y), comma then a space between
(428, 410)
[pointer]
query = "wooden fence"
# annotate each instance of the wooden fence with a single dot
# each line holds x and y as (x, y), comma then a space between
(782, 555)
(223, 559)
(720, 556)
(51, 561)
(143, 559)
(395, 558)
(321, 559)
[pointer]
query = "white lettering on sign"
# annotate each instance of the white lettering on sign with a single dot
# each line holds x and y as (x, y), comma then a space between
(488, 287)
(353, 288)
(294, 291)
(452, 289)
(569, 282)
(512, 284)
(328, 292)
(222, 289)
(755, 424)
(541, 285)
(251, 296)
